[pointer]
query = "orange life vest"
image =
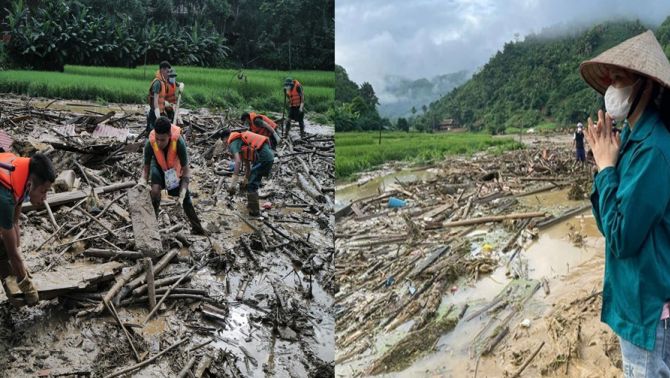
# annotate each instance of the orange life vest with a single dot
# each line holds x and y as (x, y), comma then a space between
(293, 95)
(261, 130)
(171, 93)
(15, 181)
(172, 158)
(162, 95)
(251, 143)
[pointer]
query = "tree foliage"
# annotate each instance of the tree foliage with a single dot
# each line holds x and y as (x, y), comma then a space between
(535, 80)
(355, 107)
(286, 35)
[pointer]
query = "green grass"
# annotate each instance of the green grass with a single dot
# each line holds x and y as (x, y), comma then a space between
(360, 151)
(204, 87)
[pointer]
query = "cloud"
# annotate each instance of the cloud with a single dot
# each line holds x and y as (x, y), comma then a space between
(426, 38)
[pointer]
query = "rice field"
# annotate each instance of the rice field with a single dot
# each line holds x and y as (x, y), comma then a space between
(360, 151)
(259, 90)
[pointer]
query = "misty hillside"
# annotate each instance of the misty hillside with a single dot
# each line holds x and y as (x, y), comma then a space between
(536, 80)
(408, 93)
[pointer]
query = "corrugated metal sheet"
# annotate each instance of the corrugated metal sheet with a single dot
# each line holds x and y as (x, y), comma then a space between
(5, 141)
(104, 131)
(67, 130)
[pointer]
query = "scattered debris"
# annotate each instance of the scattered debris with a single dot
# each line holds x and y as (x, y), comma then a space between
(238, 291)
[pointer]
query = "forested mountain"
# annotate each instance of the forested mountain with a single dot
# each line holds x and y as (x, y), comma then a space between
(407, 94)
(355, 106)
(286, 35)
(535, 80)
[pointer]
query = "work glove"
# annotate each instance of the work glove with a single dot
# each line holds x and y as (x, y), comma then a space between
(28, 290)
(232, 188)
(157, 113)
(168, 104)
(302, 108)
(182, 197)
(181, 87)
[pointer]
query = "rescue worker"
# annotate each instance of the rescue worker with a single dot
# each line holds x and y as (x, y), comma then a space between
(261, 125)
(252, 149)
(166, 159)
(162, 94)
(27, 179)
(293, 90)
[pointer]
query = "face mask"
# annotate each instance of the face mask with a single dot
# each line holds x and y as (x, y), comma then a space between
(172, 80)
(617, 101)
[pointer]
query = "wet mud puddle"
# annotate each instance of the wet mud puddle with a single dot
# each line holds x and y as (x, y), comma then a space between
(551, 257)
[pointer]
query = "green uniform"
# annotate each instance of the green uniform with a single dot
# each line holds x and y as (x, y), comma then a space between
(151, 117)
(156, 172)
(7, 207)
(631, 206)
(260, 167)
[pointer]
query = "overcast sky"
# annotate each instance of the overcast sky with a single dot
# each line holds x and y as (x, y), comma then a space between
(425, 38)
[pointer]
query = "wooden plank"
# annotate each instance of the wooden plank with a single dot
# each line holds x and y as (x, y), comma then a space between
(65, 279)
(436, 254)
(74, 196)
(145, 225)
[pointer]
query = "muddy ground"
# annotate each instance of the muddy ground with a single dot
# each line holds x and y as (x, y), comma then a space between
(271, 279)
(517, 286)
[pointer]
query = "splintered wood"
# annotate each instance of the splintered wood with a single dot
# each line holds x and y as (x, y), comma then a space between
(145, 226)
(66, 279)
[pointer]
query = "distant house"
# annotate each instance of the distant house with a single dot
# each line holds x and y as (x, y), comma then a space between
(449, 124)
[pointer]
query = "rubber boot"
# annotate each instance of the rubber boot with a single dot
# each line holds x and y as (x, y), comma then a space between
(196, 227)
(157, 205)
(252, 204)
(287, 129)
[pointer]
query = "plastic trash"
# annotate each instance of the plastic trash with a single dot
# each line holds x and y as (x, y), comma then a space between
(267, 205)
(396, 202)
(525, 323)
(389, 281)
(412, 290)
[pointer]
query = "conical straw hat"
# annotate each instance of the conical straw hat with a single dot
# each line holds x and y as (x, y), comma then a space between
(641, 54)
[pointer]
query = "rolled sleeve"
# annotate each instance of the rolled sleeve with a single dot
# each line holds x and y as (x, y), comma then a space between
(631, 205)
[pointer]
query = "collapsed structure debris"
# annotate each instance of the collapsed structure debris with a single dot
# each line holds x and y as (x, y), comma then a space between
(396, 266)
(252, 298)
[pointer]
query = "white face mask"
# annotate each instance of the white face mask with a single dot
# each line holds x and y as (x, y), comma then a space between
(172, 80)
(617, 101)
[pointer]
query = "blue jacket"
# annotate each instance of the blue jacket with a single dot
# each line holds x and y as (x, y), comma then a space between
(631, 208)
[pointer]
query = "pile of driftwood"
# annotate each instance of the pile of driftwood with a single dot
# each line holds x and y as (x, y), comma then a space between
(394, 265)
(98, 247)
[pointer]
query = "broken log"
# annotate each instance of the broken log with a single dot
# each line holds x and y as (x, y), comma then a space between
(108, 253)
(147, 362)
(145, 225)
(162, 263)
(204, 364)
(187, 368)
(562, 217)
(497, 218)
(77, 195)
(132, 272)
(164, 297)
(151, 289)
(307, 187)
(528, 361)
(157, 283)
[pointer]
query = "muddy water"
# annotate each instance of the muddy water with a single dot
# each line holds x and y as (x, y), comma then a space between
(551, 256)
(347, 193)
